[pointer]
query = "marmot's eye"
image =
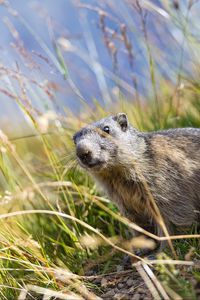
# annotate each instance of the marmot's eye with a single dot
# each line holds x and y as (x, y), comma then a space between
(106, 129)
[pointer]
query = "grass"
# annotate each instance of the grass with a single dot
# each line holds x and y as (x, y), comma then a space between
(56, 226)
(35, 246)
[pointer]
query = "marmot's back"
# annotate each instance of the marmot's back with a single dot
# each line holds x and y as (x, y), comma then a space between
(175, 175)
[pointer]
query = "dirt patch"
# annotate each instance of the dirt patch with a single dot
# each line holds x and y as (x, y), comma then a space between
(123, 285)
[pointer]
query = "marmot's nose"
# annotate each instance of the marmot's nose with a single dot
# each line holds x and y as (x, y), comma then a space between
(84, 153)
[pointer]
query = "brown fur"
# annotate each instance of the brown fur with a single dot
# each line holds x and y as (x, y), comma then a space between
(163, 165)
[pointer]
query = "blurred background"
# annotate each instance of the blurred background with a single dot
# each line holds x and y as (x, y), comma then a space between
(58, 55)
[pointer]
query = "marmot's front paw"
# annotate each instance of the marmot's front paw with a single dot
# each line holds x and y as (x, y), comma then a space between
(126, 262)
(144, 253)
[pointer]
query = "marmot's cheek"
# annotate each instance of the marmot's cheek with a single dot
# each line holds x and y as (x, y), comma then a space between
(105, 156)
(108, 159)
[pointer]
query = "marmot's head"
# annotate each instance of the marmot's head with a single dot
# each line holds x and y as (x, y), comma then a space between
(105, 143)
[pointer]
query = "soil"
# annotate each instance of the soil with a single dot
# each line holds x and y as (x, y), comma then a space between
(123, 285)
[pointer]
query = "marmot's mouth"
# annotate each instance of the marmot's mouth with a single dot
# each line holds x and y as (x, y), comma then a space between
(93, 165)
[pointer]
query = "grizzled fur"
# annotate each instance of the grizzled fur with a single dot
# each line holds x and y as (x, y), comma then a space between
(122, 158)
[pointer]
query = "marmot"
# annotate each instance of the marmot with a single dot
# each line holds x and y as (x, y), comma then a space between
(133, 166)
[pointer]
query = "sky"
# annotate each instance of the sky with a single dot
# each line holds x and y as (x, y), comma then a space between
(101, 44)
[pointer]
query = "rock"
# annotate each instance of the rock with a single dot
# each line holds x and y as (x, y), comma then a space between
(126, 278)
(136, 297)
(121, 297)
(97, 280)
(120, 285)
(130, 282)
(140, 290)
(109, 294)
(133, 290)
(124, 291)
(116, 290)
(104, 282)
(117, 296)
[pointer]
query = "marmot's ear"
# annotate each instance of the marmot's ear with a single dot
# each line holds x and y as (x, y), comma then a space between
(122, 119)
